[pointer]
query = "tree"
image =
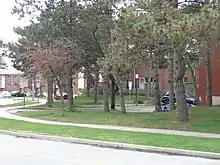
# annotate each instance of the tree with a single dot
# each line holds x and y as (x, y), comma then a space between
(55, 19)
(192, 60)
(96, 24)
(92, 23)
(2, 63)
(53, 60)
(177, 28)
(119, 62)
(182, 29)
(148, 29)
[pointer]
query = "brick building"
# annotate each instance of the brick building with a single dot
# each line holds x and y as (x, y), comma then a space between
(215, 69)
(147, 72)
(12, 82)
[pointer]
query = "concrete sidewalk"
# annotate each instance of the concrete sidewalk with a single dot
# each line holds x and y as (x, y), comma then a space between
(5, 114)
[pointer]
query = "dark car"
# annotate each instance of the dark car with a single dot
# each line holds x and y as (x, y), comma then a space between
(18, 94)
(189, 99)
(58, 97)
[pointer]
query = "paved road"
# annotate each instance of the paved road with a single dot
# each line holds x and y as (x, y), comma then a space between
(18, 151)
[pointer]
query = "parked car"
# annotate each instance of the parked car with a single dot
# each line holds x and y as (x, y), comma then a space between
(18, 94)
(5, 94)
(189, 99)
(13, 93)
(58, 97)
(65, 96)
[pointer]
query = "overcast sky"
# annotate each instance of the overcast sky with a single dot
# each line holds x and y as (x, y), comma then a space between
(8, 21)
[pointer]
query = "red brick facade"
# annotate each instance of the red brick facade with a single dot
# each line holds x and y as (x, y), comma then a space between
(215, 63)
(10, 82)
(163, 77)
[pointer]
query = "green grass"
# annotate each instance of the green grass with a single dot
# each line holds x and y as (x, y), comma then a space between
(201, 119)
(84, 101)
(160, 140)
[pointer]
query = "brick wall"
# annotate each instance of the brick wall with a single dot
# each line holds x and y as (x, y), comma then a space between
(12, 82)
(163, 77)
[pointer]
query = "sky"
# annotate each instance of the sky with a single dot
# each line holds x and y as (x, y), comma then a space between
(8, 21)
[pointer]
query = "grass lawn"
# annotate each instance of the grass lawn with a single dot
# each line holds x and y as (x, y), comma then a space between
(201, 119)
(83, 101)
(160, 140)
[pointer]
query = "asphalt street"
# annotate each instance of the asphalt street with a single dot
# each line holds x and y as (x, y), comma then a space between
(19, 151)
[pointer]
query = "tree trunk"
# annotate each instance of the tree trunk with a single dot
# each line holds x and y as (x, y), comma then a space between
(62, 100)
(50, 92)
(181, 104)
(96, 82)
(35, 87)
(54, 88)
(208, 77)
(170, 81)
(122, 99)
(105, 92)
(146, 90)
(194, 83)
(41, 90)
(87, 91)
(114, 89)
(112, 95)
(87, 86)
(147, 84)
(89, 79)
(70, 91)
(157, 86)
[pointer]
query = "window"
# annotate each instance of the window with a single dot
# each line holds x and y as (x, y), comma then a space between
(16, 84)
(185, 79)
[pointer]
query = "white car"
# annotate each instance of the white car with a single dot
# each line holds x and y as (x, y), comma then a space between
(6, 94)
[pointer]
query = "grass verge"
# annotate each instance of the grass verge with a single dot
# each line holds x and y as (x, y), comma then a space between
(159, 140)
(202, 119)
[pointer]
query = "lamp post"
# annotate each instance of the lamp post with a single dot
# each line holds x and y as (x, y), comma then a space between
(136, 92)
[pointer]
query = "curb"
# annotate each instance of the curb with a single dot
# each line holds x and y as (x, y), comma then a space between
(122, 146)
